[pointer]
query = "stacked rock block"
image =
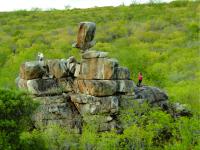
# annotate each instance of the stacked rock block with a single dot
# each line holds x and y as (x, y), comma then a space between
(99, 85)
(48, 81)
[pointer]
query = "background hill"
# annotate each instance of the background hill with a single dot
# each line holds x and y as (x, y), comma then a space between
(160, 40)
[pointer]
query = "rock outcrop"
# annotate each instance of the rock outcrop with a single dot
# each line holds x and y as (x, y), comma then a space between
(92, 87)
(153, 95)
(156, 97)
(91, 91)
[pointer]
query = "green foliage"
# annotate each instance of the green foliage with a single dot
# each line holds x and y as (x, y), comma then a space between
(15, 112)
(159, 40)
(51, 138)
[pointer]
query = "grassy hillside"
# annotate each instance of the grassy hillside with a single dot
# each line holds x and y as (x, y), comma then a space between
(159, 40)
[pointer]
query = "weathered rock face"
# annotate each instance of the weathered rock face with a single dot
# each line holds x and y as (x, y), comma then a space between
(156, 97)
(98, 68)
(92, 91)
(97, 87)
(31, 70)
(61, 68)
(94, 87)
(87, 104)
(152, 95)
(99, 83)
(57, 110)
(43, 87)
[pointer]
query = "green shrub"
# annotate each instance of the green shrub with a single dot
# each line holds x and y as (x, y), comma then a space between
(15, 116)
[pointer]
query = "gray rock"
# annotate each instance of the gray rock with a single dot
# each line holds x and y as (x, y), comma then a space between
(31, 70)
(43, 87)
(126, 101)
(125, 86)
(151, 94)
(87, 104)
(94, 54)
(21, 83)
(178, 110)
(56, 110)
(121, 73)
(77, 70)
(66, 84)
(58, 68)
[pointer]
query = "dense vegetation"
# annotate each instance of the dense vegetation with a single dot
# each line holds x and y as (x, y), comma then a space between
(15, 110)
(160, 40)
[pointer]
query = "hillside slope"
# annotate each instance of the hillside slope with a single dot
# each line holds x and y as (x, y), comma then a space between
(159, 40)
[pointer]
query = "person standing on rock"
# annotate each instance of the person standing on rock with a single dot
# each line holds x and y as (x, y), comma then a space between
(140, 77)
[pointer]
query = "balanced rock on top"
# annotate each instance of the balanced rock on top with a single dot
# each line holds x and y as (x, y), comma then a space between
(85, 36)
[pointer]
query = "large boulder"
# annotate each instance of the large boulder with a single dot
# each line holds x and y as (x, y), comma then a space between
(152, 94)
(177, 110)
(98, 68)
(32, 70)
(121, 73)
(85, 36)
(58, 68)
(43, 87)
(87, 104)
(66, 84)
(125, 87)
(57, 110)
(104, 87)
(96, 87)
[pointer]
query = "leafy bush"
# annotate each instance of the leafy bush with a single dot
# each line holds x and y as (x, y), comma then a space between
(15, 112)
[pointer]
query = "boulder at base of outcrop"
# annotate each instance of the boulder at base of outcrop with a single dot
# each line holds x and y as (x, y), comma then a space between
(152, 95)
(177, 110)
(57, 110)
(156, 97)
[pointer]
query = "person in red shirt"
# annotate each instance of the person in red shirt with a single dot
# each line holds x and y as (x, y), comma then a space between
(139, 79)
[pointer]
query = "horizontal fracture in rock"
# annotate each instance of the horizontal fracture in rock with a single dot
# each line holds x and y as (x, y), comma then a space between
(47, 86)
(104, 87)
